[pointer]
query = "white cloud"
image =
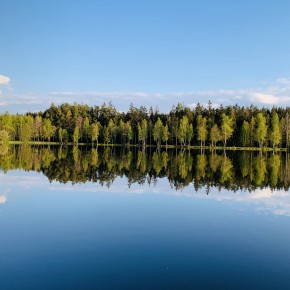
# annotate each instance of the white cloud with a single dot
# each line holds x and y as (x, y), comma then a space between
(264, 200)
(192, 105)
(284, 81)
(274, 93)
(264, 98)
(21, 179)
(4, 80)
(3, 199)
(269, 94)
(114, 95)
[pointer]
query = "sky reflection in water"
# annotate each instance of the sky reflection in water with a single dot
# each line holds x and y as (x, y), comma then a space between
(88, 236)
(276, 202)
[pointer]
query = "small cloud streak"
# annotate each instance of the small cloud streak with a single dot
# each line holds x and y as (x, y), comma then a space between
(3, 199)
(264, 98)
(4, 80)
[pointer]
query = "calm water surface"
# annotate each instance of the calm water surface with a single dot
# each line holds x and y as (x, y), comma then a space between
(146, 236)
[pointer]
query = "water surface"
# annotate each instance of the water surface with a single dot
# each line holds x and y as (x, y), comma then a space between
(77, 218)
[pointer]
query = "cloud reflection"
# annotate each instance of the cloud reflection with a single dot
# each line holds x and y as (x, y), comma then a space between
(3, 199)
(264, 200)
(267, 201)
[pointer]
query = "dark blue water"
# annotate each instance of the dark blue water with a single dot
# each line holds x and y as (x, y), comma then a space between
(86, 236)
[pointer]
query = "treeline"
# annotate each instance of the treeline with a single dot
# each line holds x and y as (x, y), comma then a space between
(182, 126)
(79, 164)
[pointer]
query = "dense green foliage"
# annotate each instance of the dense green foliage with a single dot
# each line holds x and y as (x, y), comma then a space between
(77, 164)
(227, 126)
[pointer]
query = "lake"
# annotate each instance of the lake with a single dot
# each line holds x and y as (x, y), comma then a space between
(114, 218)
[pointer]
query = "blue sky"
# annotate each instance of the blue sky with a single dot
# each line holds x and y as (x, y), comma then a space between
(147, 52)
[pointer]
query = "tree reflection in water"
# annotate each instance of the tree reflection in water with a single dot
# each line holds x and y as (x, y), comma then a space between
(232, 171)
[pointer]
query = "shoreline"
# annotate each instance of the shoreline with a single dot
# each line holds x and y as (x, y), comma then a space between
(187, 147)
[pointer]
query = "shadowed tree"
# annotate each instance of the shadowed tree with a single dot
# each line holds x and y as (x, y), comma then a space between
(86, 127)
(261, 129)
(189, 135)
(76, 135)
(245, 134)
(165, 134)
(275, 130)
(60, 134)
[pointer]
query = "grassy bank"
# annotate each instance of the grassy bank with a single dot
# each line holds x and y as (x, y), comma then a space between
(233, 148)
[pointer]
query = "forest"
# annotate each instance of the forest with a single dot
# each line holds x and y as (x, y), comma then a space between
(230, 126)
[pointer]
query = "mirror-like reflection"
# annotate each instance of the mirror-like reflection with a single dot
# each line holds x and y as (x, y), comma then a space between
(232, 170)
(69, 221)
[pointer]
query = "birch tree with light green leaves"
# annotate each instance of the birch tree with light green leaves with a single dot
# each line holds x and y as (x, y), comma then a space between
(201, 130)
(183, 128)
(227, 128)
(95, 132)
(143, 131)
(215, 135)
(158, 132)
